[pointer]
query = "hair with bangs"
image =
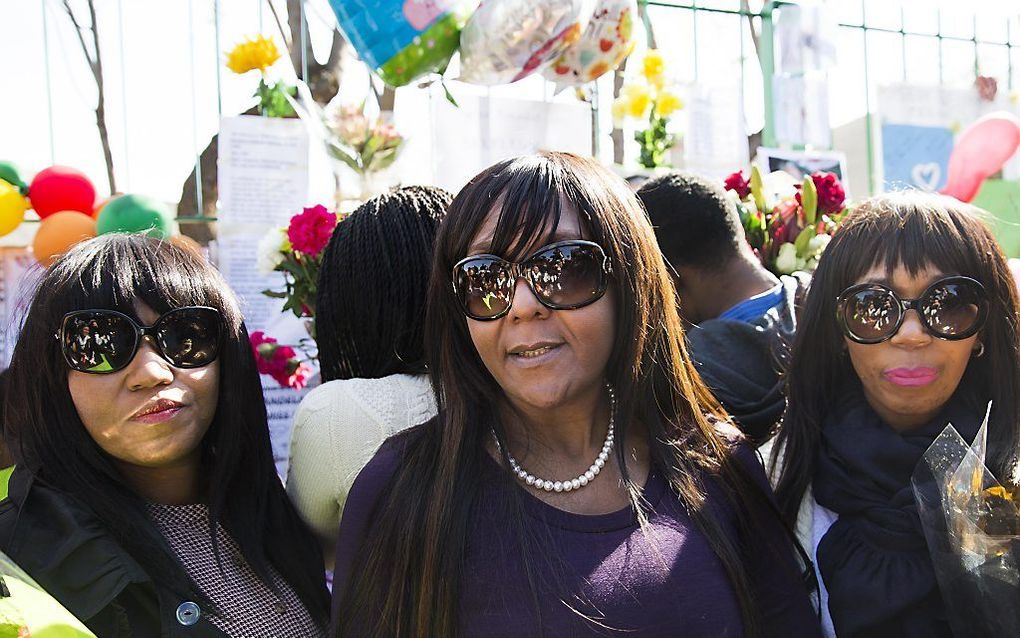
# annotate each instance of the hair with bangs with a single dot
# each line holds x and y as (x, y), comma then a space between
(114, 272)
(913, 230)
(405, 580)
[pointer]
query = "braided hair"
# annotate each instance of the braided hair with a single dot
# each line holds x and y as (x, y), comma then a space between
(370, 309)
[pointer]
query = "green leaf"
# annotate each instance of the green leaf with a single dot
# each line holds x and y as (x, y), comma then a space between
(801, 243)
(275, 294)
(449, 96)
(809, 199)
(339, 153)
(757, 188)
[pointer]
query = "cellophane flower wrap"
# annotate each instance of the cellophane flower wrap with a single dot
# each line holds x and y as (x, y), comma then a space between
(788, 224)
(972, 526)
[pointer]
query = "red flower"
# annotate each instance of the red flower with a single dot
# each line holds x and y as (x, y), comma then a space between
(310, 230)
(831, 195)
(736, 183)
(279, 362)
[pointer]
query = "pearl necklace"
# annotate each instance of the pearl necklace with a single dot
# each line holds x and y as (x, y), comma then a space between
(580, 481)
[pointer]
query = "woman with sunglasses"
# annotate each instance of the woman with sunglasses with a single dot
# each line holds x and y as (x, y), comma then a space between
(912, 324)
(579, 479)
(145, 497)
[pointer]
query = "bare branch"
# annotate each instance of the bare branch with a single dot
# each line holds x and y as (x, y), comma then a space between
(294, 22)
(279, 24)
(79, 31)
(755, 36)
(649, 32)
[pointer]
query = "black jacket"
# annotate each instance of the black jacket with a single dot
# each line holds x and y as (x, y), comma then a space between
(63, 546)
(743, 363)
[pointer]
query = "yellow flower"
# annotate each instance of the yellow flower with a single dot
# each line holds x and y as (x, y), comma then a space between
(639, 98)
(257, 53)
(667, 103)
(653, 67)
(621, 106)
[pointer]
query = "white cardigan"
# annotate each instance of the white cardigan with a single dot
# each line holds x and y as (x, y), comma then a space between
(337, 429)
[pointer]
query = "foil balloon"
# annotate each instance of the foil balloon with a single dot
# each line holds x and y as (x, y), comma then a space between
(606, 42)
(403, 39)
(506, 40)
(980, 152)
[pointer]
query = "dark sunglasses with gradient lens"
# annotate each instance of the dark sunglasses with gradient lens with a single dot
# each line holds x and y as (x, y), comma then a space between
(952, 308)
(105, 341)
(565, 275)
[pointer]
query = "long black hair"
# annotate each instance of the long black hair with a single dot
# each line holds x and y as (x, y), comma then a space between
(914, 230)
(244, 494)
(405, 581)
(370, 308)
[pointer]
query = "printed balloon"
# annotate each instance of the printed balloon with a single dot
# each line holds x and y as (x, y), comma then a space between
(606, 42)
(506, 40)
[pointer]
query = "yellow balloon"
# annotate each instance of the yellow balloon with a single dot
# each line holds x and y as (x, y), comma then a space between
(12, 208)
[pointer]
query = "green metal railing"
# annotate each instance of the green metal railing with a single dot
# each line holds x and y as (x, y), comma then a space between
(765, 54)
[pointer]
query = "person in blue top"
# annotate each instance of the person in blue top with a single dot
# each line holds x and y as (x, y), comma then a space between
(743, 317)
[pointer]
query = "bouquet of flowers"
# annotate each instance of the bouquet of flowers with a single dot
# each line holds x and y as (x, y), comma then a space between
(366, 146)
(788, 224)
(972, 525)
(260, 53)
(296, 251)
(648, 98)
(279, 361)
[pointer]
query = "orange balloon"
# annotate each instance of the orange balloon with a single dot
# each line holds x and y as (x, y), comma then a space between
(58, 232)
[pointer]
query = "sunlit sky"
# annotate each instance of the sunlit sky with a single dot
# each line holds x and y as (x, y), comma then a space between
(166, 86)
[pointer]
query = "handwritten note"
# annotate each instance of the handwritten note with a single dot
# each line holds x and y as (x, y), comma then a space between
(802, 110)
(487, 129)
(236, 258)
(262, 169)
(281, 404)
(716, 139)
(934, 106)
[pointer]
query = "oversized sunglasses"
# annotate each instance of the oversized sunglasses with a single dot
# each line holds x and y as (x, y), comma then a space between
(565, 275)
(105, 341)
(952, 308)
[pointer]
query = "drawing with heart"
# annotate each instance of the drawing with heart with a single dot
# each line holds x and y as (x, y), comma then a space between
(926, 176)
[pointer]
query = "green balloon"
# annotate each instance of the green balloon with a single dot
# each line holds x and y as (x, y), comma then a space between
(134, 214)
(9, 173)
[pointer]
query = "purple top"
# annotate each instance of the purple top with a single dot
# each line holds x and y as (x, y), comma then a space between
(610, 580)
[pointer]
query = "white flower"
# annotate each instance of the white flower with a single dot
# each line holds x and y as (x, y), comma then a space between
(786, 260)
(818, 244)
(270, 250)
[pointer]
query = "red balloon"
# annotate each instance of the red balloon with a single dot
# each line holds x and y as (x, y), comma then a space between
(979, 152)
(60, 188)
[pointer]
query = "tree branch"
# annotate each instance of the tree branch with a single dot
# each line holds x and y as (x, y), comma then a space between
(95, 63)
(279, 24)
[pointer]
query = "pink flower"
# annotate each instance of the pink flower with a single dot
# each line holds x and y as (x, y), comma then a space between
(279, 362)
(831, 195)
(310, 230)
(296, 378)
(736, 183)
(263, 347)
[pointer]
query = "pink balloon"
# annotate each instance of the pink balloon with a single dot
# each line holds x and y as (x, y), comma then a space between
(980, 151)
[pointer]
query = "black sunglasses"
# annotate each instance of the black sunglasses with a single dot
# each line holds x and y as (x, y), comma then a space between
(105, 341)
(952, 308)
(565, 275)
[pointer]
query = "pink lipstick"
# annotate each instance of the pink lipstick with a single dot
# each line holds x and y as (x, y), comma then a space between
(911, 377)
